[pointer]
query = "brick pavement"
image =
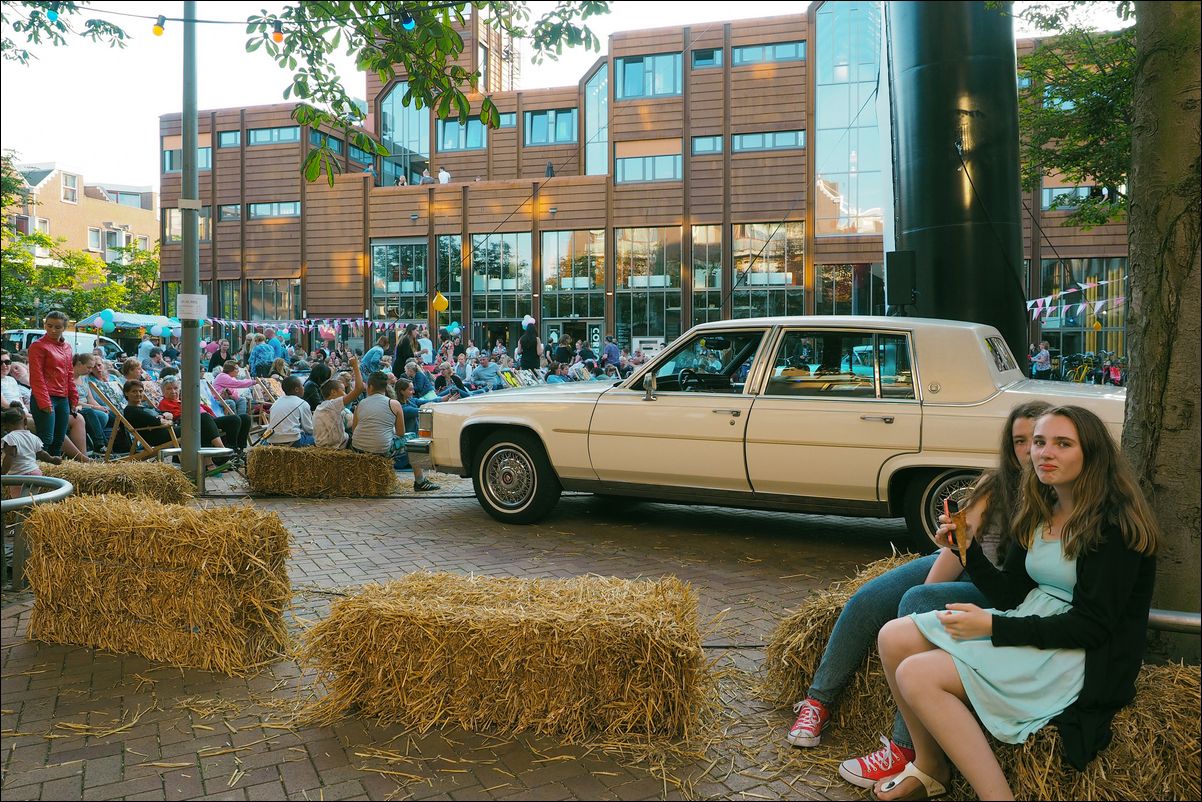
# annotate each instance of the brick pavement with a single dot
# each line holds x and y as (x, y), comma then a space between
(169, 734)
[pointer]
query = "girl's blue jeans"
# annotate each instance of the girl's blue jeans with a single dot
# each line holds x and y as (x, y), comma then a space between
(894, 594)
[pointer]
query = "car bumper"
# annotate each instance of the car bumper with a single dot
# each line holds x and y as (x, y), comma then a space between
(419, 453)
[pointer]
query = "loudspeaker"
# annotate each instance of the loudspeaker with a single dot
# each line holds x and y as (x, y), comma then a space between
(901, 280)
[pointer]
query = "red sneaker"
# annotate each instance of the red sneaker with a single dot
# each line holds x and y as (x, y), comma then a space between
(882, 764)
(812, 717)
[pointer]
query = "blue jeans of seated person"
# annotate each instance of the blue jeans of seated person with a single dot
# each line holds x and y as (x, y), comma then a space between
(98, 422)
(875, 604)
(303, 440)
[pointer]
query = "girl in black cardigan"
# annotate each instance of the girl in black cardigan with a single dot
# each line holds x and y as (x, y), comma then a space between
(1082, 522)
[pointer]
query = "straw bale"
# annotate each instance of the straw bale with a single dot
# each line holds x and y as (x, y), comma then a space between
(164, 483)
(574, 657)
(1155, 753)
(318, 472)
(190, 587)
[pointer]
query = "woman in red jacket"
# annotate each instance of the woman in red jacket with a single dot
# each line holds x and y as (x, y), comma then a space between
(52, 381)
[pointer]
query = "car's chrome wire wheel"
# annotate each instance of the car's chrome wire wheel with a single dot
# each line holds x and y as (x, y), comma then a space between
(510, 480)
(950, 484)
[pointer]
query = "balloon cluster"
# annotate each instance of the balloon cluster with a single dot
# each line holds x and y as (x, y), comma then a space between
(106, 321)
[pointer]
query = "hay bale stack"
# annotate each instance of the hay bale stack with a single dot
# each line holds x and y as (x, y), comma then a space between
(135, 479)
(1155, 753)
(575, 657)
(318, 472)
(194, 588)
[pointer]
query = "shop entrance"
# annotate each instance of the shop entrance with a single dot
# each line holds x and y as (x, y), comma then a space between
(487, 332)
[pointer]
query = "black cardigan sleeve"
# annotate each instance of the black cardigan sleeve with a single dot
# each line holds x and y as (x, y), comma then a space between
(1005, 588)
(1106, 578)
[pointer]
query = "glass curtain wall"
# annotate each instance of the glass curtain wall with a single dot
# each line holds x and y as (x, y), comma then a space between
(229, 306)
(849, 289)
(398, 280)
(1071, 328)
(769, 264)
(573, 274)
(596, 123)
(850, 193)
(449, 277)
(647, 284)
(707, 274)
(405, 131)
(501, 276)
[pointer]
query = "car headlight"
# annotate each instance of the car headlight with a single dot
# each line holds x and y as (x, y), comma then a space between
(425, 422)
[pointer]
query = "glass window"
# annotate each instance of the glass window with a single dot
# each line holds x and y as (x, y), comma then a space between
(847, 147)
(849, 289)
(229, 139)
(42, 226)
(173, 160)
(361, 156)
(710, 362)
(707, 273)
(173, 226)
(482, 60)
(776, 140)
(1063, 198)
(93, 239)
(453, 135)
(706, 145)
(648, 76)
(130, 199)
(398, 270)
(230, 211)
(648, 168)
(273, 136)
(448, 276)
(405, 132)
(710, 57)
(502, 276)
(317, 138)
(70, 188)
(647, 264)
(596, 123)
(230, 299)
(1087, 310)
(262, 211)
(508, 120)
(826, 364)
(143, 243)
(756, 54)
(170, 294)
(273, 298)
(768, 269)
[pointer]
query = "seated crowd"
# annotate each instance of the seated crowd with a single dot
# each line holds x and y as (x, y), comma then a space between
(266, 390)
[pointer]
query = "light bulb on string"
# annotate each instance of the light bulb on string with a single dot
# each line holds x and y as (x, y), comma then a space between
(407, 21)
(159, 25)
(277, 34)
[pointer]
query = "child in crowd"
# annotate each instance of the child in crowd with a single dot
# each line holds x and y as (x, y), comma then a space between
(22, 448)
(330, 417)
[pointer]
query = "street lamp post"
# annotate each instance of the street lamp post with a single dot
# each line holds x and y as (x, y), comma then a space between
(189, 205)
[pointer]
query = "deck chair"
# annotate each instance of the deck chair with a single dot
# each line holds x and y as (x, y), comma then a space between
(264, 393)
(139, 448)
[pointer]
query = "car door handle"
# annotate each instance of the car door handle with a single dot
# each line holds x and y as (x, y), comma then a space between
(732, 412)
(882, 418)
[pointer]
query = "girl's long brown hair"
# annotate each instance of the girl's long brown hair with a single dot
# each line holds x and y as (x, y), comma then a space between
(1105, 495)
(1001, 486)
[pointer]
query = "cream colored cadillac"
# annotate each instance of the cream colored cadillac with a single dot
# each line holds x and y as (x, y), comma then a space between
(860, 416)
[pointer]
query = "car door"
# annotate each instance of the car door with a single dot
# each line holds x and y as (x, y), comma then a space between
(691, 434)
(835, 405)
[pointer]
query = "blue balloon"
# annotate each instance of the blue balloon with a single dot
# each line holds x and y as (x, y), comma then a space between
(285, 334)
(107, 315)
(108, 327)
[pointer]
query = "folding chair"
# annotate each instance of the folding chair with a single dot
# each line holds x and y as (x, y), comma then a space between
(140, 448)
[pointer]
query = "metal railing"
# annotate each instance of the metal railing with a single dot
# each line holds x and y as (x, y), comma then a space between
(1175, 621)
(57, 490)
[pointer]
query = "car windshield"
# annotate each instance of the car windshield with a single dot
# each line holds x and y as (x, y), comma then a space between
(711, 362)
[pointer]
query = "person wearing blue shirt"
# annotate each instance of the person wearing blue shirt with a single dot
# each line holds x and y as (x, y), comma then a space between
(610, 355)
(486, 373)
(261, 357)
(371, 360)
(422, 383)
(277, 348)
(555, 373)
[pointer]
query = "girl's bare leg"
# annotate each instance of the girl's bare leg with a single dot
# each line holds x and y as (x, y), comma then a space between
(932, 688)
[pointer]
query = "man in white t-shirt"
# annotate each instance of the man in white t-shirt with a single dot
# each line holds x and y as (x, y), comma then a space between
(443, 176)
(329, 419)
(291, 421)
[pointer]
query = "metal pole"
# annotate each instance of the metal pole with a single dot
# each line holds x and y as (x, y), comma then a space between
(190, 211)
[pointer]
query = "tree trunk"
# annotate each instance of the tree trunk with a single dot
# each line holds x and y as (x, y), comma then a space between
(1161, 434)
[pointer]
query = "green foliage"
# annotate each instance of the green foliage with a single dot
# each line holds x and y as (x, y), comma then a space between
(138, 271)
(1075, 118)
(31, 21)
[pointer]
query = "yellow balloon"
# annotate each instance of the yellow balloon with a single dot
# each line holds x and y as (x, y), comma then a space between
(1097, 325)
(440, 302)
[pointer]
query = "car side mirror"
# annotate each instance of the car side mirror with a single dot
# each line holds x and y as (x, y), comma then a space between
(649, 387)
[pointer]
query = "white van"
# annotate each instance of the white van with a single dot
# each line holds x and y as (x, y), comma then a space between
(19, 340)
